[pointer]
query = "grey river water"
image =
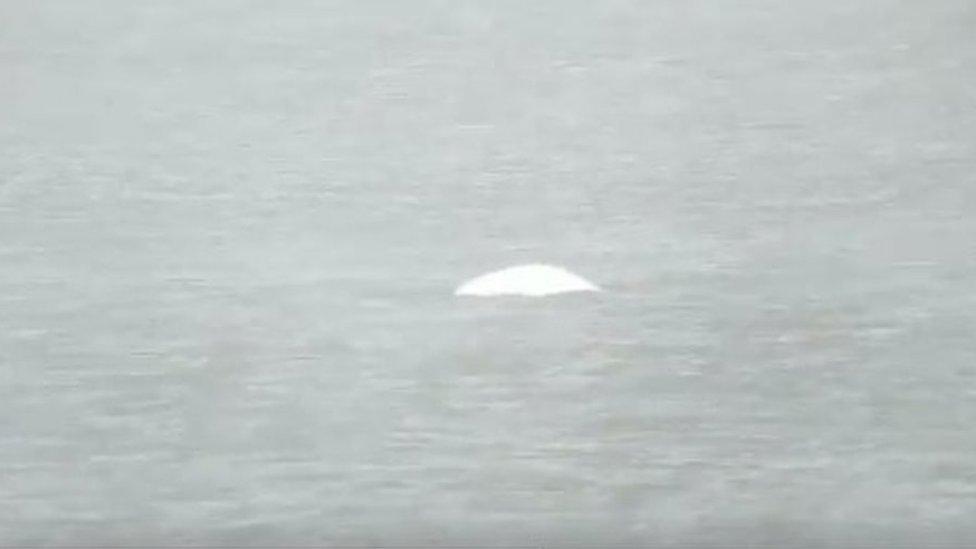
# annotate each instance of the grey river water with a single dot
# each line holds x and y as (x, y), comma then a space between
(230, 232)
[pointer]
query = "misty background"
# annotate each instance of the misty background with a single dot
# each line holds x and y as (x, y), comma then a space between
(230, 232)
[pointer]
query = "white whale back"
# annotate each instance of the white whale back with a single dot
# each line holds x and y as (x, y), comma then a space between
(534, 280)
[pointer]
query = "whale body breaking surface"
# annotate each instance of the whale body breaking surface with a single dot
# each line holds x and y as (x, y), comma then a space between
(535, 280)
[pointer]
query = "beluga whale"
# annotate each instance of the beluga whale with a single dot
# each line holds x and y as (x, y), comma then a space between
(533, 280)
